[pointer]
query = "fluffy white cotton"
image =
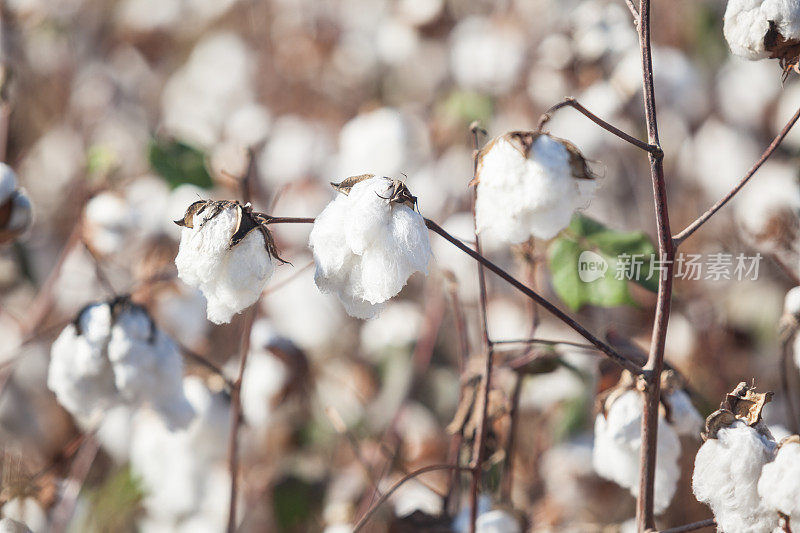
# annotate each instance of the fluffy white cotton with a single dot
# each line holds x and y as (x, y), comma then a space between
(26, 510)
(8, 525)
(485, 55)
(791, 304)
(685, 418)
(365, 247)
(264, 377)
(109, 218)
(231, 279)
(726, 473)
(497, 521)
(296, 150)
(617, 444)
(520, 197)
(105, 361)
(777, 192)
(779, 485)
(748, 21)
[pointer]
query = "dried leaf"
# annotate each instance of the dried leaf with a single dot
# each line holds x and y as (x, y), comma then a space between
(188, 218)
(347, 184)
(745, 403)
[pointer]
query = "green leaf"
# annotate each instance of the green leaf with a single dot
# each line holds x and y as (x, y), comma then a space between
(467, 106)
(598, 249)
(178, 163)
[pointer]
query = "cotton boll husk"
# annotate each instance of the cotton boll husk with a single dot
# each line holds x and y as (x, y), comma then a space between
(777, 190)
(296, 150)
(497, 521)
(365, 247)
(520, 197)
(396, 327)
(8, 525)
(26, 510)
(745, 89)
(618, 442)
(684, 417)
(779, 485)
(726, 473)
(385, 141)
(486, 55)
(108, 221)
(231, 279)
(80, 374)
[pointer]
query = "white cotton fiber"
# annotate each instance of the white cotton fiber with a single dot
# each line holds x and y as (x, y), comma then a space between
(747, 22)
(726, 473)
(366, 247)
(685, 418)
(231, 278)
(617, 444)
(520, 197)
(779, 485)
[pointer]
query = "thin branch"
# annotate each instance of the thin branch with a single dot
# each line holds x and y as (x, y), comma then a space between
(549, 342)
(702, 219)
(786, 369)
(63, 511)
(424, 470)
(709, 522)
(634, 11)
(98, 269)
(508, 469)
(571, 102)
(289, 220)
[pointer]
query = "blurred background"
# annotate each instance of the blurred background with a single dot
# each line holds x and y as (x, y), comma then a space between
(124, 112)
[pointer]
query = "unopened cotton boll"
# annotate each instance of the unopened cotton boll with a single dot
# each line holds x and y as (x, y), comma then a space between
(779, 485)
(617, 445)
(726, 473)
(227, 254)
(367, 243)
(759, 29)
(529, 184)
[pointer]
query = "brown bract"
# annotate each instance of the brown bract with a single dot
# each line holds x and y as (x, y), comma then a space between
(742, 403)
(786, 50)
(398, 193)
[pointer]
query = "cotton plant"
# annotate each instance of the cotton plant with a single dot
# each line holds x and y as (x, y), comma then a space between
(617, 437)
(367, 242)
(227, 252)
(113, 354)
(779, 484)
(16, 213)
(528, 185)
(729, 464)
(761, 29)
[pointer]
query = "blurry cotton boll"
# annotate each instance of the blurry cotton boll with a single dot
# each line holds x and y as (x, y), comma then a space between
(248, 125)
(108, 223)
(114, 354)
(27, 511)
(420, 12)
(299, 311)
(114, 432)
(567, 382)
(396, 41)
(149, 15)
(788, 103)
(8, 525)
(264, 376)
(779, 484)
(602, 28)
(486, 55)
(497, 521)
(745, 90)
(197, 99)
(555, 52)
(396, 327)
(748, 24)
(726, 473)
(681, 340)
(366, 245)
(415, 496)
(384, 141)
(546, 85)
(449, 258)
(617, 443)
(683, 415)
(680, 83)
(58, 155)
(181, 310)
(296, 150)
(700, 160)
(529, 185)
(229, 265)
(566, 467)
(16, 213)
(461, 521)
(506, 319)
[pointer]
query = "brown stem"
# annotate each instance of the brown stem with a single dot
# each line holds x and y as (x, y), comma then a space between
(694, 526)
(571, 102)
(508, 470)
(424, 470)
(236, 415)
(544, 341)
(787, 368)
(702, 219)
(655, 361)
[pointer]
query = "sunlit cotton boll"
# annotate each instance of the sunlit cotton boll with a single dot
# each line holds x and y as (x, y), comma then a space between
(26, 510)
(779, 485)
(748, 23)
(529, 188)
(231, 276)
(726, 474)
(108, 220)
(497, 521)
(366, 247)
(617, 444)
(113, 354)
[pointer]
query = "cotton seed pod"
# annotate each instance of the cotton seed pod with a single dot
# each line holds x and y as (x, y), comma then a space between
(529, 184)
(743, 403)
(114, 354)
(367, 242)
(227, 252)
(779, 485)
(15, 206)
(761, 29)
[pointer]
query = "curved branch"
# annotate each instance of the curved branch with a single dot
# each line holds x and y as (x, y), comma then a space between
(694, 526)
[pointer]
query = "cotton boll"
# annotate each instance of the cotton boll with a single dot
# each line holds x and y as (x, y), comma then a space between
(748, 22)
(726, 474)
(264, 377)
(412, 497)
(115, 431)
(497, 521)
(777, 192)
(618, 443)
(8, 525)
(420, 12)
(366, 247)
(601, 29)
(745, 89)
(528, 191)
(779, 485)
(791, 303)
(486, 55)
(683, 415)
(231, 277)
(108, 221)
(26, 510)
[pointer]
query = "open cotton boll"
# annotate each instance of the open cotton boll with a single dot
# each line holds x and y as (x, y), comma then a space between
(726, 473)
(759, 29)
(779, 485)
(617, 444)
(27, 511)
(528, 186)
(230, 275)
(791, 304)
(366, 246)
(108, 220)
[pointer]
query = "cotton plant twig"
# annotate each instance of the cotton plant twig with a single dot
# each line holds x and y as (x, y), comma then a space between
(694, 526)
(573, 103)
(634, 11)
(702, 219)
